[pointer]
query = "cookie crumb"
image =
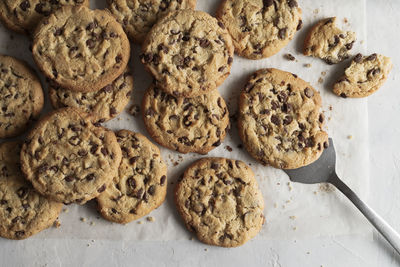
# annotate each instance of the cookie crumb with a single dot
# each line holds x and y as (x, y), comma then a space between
(83, 219)
(330, 107)
(292, 217)
(345, 20)
(320, 80)
(349, 137)
(275, 205)
(308, 65)
(65, 210)
(205, 249)
(323, 73)
(57, 224)
(316, 11)
(139, 222)
(228, 148)
(308, 252)
(134, 110)
(151, 219)
(290, 57)
(92, 223)
(191, 238)
(294, 228)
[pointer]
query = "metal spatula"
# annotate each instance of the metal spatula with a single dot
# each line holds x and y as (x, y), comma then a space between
(323, 171)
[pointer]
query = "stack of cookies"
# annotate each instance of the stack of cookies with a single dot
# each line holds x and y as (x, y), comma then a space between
(69, 157)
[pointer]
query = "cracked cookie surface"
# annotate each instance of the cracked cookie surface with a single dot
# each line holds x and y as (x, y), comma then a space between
(23, 15)
(141, 183)
(23, 211)
(81, 49)
(327, 42)
(196, 124)
(21, 98)
(279, 120)
(69, 159)
(364, 76)
(219, 200)
(260, 28)
(138, 16)
(102, 105)
(188, 52)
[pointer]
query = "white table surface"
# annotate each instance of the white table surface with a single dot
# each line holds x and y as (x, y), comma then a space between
(384, 129)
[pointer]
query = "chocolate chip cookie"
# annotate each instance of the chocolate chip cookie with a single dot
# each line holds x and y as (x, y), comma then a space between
(69, 159)
(364, 76)
(81, 49)
(328, 42)
(102, 105)
(279, 120)
(23, 15)
(23, 211)
(21, 96)
(188, 52)
(141, 183)
(219, 200)
(260, 28)
(138, 16)
(196, 124)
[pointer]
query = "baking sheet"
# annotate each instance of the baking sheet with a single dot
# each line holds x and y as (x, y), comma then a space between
(292, 210)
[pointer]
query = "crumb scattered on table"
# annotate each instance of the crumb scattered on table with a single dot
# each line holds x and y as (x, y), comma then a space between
(323, 73)
(316, 11)
(83, 219)
(228, 148)
(290, 57)
(140, 222)
(320, 80)
(292, 217)
(349, 137)
(134, 110)
(92, 223)
(308, 65)
(205, 249)
(57, 224)
(151, 219)
(65, 210)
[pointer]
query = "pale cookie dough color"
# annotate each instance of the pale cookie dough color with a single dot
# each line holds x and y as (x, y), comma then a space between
(279, 120)
(219, 200)
(23, 15)
(364, 76)
(69, 159)
(81, 49)
(102, 105)
(197, 124)
(188, 52)
(21, 96)
(23, 211)
(260, 28)
(138, 16)
(327, 42)
(141, 183)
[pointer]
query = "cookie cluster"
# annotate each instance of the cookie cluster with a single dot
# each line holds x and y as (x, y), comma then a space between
(69, 157)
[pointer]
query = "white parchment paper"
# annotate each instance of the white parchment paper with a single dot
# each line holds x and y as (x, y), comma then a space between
(292, 210)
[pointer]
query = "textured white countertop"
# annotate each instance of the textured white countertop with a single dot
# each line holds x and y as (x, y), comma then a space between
(383, 27)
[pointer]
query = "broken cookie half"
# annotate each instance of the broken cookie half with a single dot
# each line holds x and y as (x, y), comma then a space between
(328, 42)
(364, 76)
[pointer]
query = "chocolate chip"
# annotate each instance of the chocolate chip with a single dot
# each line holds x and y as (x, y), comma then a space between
(292, 3)
(308, 92)
(54, 168)
(162, 179)
(133, 160)
(310, 142)
(282, 33)
(91, 43)
(164, 48)
(282, 96)
(118, 58)
(139, 193)
(357, 58)
(326, 144)
(91, 26)
(152, 190)
(82, 152)
(113, 210)
(287, 120)
(19, 234)
(113, 111)
(290, 57)
(220, 24)
(22, 192)
(25, 5)
(104, 151)
(373, 71)
(221, 69)
(93, 149)
(300, 25)
(90, 177)
(58, 32)
(275, 120)
(74, 140)
(274, 105)
(131, 182)
(43, 168)
(69, 178)
(321, 118)
(102, 188)
(371, 57)
(3, 202)
(214, 166)
(204, 43)
(186, 38)
(343, 95)
(265, 111)
(349, 46)
(267, 3)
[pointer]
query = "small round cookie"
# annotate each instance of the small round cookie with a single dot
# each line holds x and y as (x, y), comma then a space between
(141, 183)
(364, 76)
(102, 105)
(279, 120)
(81, 49)
(196, 124)
(188, 52)
(219, 200)
(23, 15)
(138, 16)
(23, 211)
(21, 96)
(260, 28)
(69, 159)
(328, 42)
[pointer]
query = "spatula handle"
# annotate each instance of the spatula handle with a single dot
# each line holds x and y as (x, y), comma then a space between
(381, 225)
